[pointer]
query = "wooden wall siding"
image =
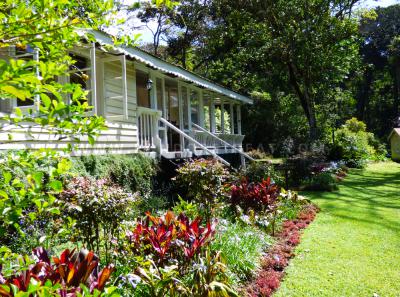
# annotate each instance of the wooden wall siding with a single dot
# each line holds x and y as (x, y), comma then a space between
(113, 94)
(118, 139)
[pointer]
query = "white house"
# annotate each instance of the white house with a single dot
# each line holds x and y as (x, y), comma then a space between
(149, 104)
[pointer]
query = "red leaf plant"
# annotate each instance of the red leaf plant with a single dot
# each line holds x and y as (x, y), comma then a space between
(70, 270)
(256, 196)
(170, 237)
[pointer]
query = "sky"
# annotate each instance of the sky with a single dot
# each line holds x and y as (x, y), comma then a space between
(146, 35)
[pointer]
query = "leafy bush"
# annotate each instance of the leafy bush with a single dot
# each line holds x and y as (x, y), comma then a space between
(323, 181)
(259, 154)
(257, 171)
(203, 181)
(71, 274)
(98, 208)
(167, 239)
(260, 196)
(169, 257)
(29, 181)
(132, 172)
(355, 145)
(300, 166)
(241, 246)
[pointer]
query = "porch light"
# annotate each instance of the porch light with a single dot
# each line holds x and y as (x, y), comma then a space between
(149, 84)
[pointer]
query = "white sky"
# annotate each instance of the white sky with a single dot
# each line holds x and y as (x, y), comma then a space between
(147, 36)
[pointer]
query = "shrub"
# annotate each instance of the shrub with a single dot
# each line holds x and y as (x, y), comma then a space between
(300, 166)
(261, 196)
(132, 172)
(68, 275)
(98, 208)
(203, 181)
(170, 255)
(28, 182)
(322, 181)
(355, 145)
(168, 238)
(257, 171)
(258, 154)
(241, 246)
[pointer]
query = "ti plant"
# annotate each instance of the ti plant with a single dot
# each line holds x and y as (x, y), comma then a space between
(72, 274)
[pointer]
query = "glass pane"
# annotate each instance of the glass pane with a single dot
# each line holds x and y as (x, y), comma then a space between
(79, 73)
(194, 107)
(235, 120)
(218, 127)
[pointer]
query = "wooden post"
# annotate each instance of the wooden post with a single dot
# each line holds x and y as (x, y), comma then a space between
(212, 115)
(222, 117)
(201, 109)
(231, 118)
(93, 74)
(239, 119)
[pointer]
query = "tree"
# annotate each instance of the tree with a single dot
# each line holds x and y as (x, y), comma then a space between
(309, 45)
(378, 97)
(30, 179)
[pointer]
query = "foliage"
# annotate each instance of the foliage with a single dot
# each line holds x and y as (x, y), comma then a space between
(98, 208)
(203, 181)
(132, 172)
(241, 246)
(190, 209)
(258, 154)
(301, 166)
(29, 181)
(355, 145)
(322, 181)
(256, 196)
(260, 170)
(68, 275)
(169, 256)
(168, 238)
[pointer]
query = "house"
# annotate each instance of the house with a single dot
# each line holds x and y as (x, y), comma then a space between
(150, 106)
(394, 139)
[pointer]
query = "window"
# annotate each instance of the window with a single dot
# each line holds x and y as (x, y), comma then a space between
(79, 73)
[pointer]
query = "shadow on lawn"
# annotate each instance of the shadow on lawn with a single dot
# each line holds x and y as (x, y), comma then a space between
(365, 196)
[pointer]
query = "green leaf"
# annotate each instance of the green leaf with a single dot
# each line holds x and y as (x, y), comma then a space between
(56, 185)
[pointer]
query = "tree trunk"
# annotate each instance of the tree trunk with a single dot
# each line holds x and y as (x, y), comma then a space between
(363, 96)
(305, 101)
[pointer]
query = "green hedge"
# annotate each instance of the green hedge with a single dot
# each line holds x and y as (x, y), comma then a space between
(132, 172)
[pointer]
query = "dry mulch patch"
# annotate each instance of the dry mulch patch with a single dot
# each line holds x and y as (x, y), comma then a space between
(277, 258)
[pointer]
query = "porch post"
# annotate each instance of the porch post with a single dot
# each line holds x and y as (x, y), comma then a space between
(231, 118)
(153, 91)
(212, 114)
(93, 78)
(201, 109)
(189, 107)
(222, 117)
(239, 119)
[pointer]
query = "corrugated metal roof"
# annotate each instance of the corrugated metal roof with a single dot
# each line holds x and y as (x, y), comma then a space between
(166, 67)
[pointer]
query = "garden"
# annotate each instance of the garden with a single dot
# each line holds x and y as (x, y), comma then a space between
(113, 226)
(316, 221)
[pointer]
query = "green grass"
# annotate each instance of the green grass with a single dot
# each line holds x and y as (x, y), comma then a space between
(353, 247)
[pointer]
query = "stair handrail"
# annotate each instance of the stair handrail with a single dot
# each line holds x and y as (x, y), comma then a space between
(224, 142)
(183, 134)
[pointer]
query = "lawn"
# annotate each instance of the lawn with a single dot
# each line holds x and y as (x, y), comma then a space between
(353, 247)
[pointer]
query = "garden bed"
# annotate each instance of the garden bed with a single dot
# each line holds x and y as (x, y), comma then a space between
(277, 258)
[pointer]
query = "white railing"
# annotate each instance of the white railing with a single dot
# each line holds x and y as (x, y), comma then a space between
(193, 141)
(231, 141)
(148, 128)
